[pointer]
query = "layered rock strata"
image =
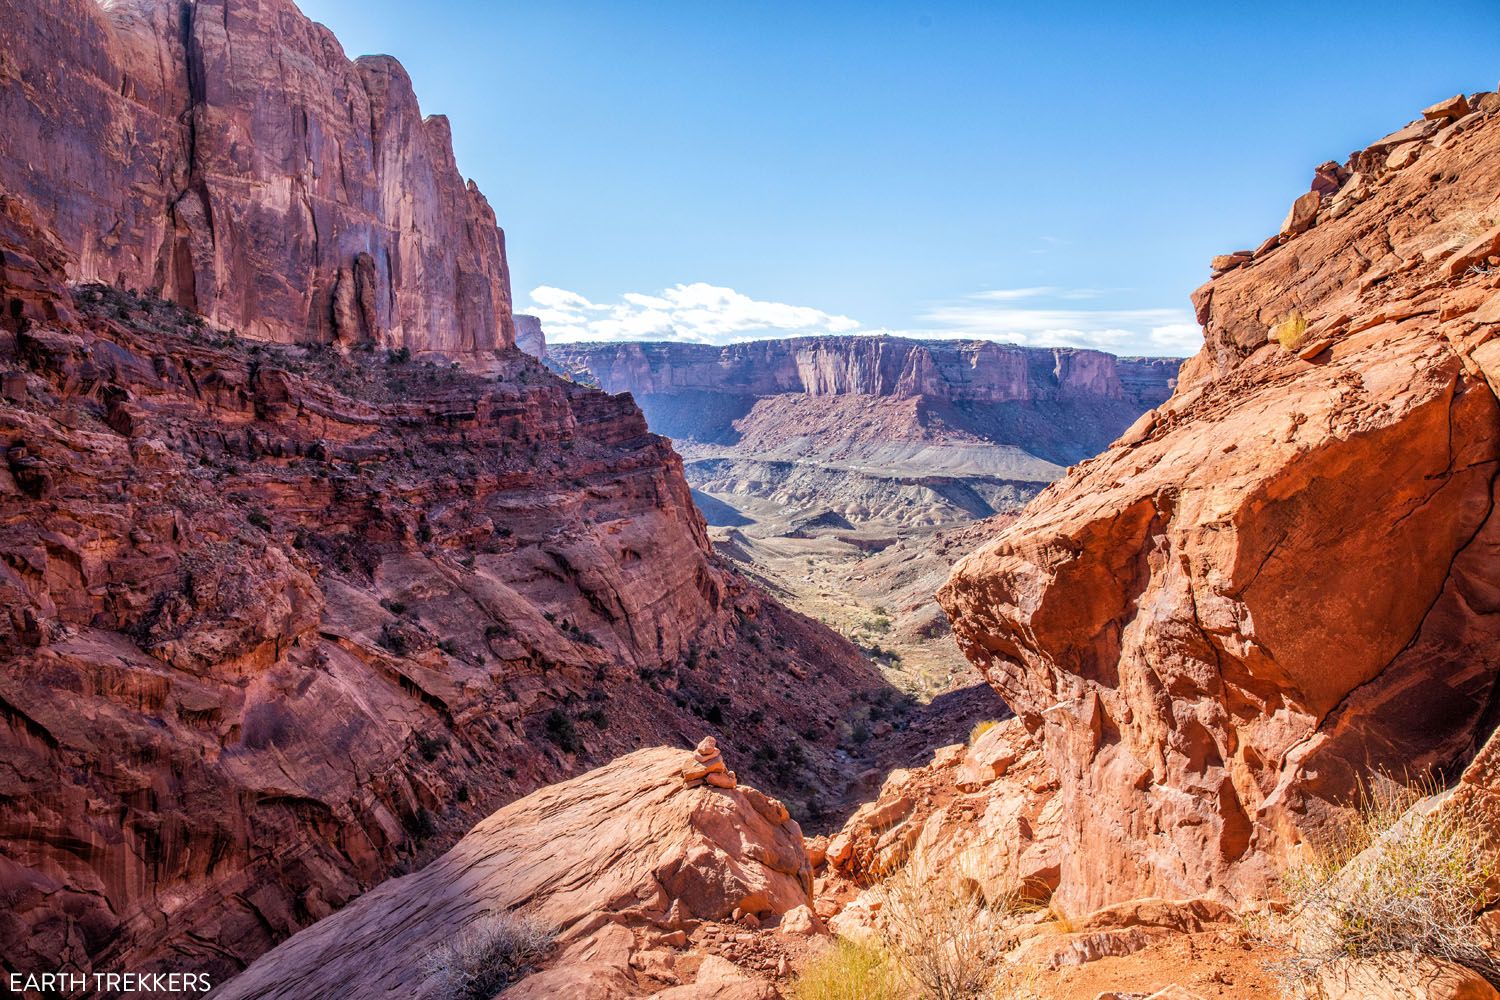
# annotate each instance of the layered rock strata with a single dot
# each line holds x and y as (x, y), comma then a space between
(228, 155)
(275, 622)
(876, 429)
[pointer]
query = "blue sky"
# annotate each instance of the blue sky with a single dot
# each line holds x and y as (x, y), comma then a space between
(1041, 173)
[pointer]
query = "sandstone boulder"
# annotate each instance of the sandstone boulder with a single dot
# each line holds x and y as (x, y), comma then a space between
(614, 848)
(1454, 107)
(1404, 978)
(1303, 214)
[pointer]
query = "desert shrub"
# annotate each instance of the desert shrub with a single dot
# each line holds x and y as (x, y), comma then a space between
(429, 746)
(1396, 883)
(1290, 332)
(848, 970)
(486, 957)
(561, 731)
(980, 728)
(394, 640)
(942, 933)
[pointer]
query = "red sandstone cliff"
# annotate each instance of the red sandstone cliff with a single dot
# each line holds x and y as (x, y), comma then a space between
(998, 392)
(1288, 575)
(227, 154)
(275, 622)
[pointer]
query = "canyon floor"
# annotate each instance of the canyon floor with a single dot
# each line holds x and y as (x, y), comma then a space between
(873, 583)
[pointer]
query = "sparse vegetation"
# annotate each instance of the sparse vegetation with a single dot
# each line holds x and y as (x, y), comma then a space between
(429, 745)
(560, 730)
(1402, 880)
(1290, 332)
(394, 640)
(980, 728)
(849, 970)
(945, 937)
(486, 957)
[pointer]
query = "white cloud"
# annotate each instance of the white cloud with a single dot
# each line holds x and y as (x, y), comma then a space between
(1038, 316)
(989, 316)
(695, 313)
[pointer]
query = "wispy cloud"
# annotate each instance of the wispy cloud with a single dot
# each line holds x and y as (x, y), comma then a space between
(694, 313)
(1038, 316)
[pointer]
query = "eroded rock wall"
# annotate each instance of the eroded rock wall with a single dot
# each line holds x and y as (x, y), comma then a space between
(229, 155)
(957, 371)
(1286, 576)
(276, 623)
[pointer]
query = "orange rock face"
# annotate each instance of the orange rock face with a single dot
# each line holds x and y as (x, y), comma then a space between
(228, 155)
(275, 622)
(1289, 573)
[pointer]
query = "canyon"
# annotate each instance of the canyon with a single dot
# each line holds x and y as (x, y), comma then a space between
(1161, 620)
(848, 472)
(336, 626)
(304, 566)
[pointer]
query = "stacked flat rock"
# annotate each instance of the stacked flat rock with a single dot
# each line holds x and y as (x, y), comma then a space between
(708, 767)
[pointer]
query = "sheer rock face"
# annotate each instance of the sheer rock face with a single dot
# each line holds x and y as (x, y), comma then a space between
(959, 371)
(1289, 573)
(229, 155)
(877, 429)
(612, 860)
(275, 623)
(530, 337)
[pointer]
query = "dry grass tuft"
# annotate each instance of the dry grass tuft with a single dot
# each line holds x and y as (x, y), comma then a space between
(1399, 882)
(849, 970)
(486, 957)
(945, 938)
(1290, 332)
(980, 728)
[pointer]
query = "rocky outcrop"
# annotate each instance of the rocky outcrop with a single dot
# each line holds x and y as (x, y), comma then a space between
(622, 863)
(530, 336)
(277, 622)
(1286, 576)
(226, 154)
(986, 809)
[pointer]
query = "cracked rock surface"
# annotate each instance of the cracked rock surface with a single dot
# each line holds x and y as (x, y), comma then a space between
(1289, 573)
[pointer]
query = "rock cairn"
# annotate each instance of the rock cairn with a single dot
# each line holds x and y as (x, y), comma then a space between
(708, 767)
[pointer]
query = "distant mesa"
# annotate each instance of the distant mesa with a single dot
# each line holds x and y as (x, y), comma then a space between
(887, 429)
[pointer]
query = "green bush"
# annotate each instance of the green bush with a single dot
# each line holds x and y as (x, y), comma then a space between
(560, 730)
